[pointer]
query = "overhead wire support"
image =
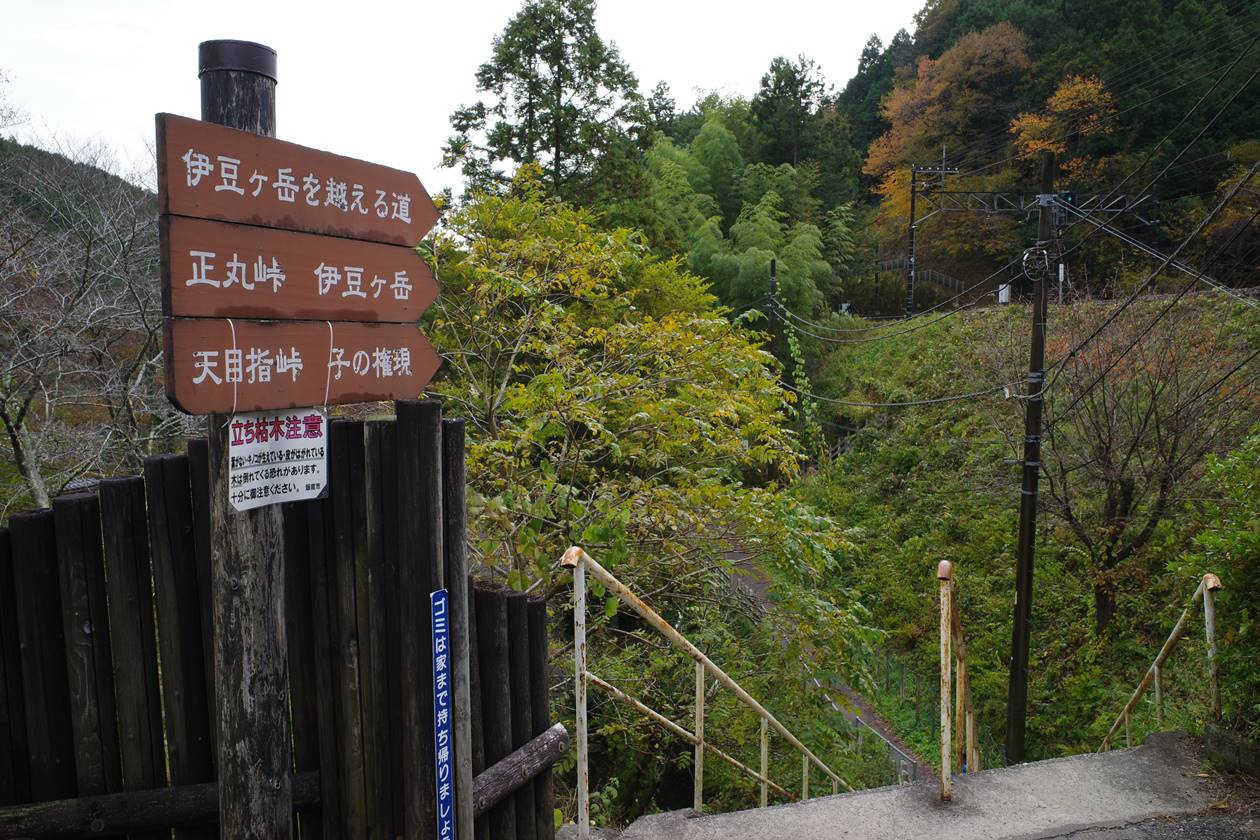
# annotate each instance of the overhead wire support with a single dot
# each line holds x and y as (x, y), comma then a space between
(1169, 305)
(915, 172)
(1153, 252)
(1150, 278)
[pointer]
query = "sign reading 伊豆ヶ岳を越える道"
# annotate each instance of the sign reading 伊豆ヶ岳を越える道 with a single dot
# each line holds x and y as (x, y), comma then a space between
(289, 275)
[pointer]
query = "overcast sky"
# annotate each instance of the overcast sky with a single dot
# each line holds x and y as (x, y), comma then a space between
(379, 80)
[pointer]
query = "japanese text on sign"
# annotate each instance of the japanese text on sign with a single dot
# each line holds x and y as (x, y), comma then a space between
(443, 747)
(222, 173)
(276, 457)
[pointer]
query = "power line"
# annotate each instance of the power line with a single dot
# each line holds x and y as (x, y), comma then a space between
(902, 404)
(1167, 307)
(1152, 252)
(998, 139)
(1061, 365)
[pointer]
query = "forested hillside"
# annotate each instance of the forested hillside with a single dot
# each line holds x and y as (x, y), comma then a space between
(906, 432)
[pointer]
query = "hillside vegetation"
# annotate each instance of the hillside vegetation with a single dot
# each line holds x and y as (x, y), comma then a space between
(918, 485)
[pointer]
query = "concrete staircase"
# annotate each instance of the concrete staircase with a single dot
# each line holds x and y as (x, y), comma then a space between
(1116, 795)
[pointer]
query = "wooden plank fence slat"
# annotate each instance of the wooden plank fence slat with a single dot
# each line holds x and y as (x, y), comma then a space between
(455, 559)
(81, 573)
(97, 816)
(301, 640)
(496, 696)
(345, 447)
(522, 704)
(540, 711)
(43, 655)
(482, 824)
(15, 778)
(199, 488)
(322, 556)
(133, 636)
(189, 743)
(381, 477)
(420, 555)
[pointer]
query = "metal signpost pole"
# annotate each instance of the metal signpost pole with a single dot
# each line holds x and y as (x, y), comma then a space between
(238, 89)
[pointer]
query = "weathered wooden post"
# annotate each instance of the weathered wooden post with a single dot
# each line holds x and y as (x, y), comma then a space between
(1211, 584)
(453, 528)
(698, 791)
(944, 572)
(765, 761)
(576, 560)
(238, 90)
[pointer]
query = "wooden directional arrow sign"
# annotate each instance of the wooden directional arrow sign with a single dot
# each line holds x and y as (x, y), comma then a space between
(256, 228)
(215, 269)
(212, 172)
(221, 365)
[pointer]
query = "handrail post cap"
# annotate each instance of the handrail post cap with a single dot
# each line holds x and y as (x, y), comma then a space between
(944, 570)
(572, 556)
(1212, 583)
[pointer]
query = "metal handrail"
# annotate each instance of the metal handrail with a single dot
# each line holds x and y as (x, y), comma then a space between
(581, 563)
(1207, 589)
(964, 752)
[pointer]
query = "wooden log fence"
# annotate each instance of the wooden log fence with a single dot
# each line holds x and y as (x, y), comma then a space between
(107, 700)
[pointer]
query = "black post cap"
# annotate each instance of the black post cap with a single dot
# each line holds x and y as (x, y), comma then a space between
(245, 56)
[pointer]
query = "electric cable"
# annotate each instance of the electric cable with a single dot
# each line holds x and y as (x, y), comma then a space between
(1060, 365)
(1115, 360)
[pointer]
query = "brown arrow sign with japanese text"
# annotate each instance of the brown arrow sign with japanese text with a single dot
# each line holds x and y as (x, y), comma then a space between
(318, 244)
(214, 269)
(208, 171)
(222, 365)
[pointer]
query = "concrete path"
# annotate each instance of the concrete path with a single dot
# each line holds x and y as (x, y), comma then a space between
(1114, 795)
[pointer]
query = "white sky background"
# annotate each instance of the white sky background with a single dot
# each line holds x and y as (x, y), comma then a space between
(378, 80)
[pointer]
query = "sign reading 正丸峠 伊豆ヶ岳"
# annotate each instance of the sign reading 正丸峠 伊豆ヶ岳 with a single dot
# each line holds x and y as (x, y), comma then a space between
(316, 243)
(214, 269)
(209, 171)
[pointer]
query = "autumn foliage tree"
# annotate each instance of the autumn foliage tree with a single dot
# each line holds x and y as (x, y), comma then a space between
(1078, 110)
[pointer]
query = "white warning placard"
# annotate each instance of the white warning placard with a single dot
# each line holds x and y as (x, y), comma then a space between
(277, 456)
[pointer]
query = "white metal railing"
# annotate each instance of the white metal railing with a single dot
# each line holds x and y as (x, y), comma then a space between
(1207, 589)
(581, 563)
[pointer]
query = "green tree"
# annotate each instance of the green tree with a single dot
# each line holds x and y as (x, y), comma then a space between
(785, 107)
(561, 97)
(716, 149)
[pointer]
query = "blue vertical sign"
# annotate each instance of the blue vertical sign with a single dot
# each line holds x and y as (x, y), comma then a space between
(443, 747)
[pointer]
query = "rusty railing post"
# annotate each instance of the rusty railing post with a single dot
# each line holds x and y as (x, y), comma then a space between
(576, 561)
(804, 778)
(1159, 694)
(960, 686)
(698, 795)
(944, 571)
(765, 761)
(1211, 583)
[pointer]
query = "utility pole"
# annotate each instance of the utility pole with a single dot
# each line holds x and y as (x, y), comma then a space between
(1037, 265)
(238, 89)
(915, 172)
(914, 189)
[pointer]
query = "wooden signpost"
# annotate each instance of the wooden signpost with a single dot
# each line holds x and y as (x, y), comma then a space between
(257, 228)
(288, 281)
